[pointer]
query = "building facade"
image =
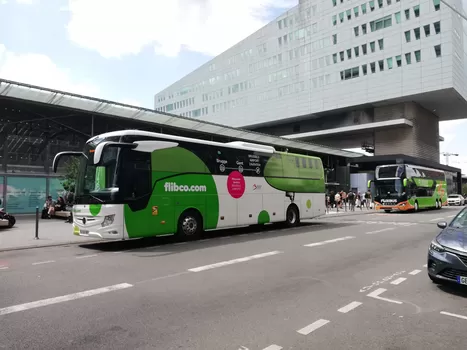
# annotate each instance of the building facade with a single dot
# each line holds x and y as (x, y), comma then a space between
(327, 69)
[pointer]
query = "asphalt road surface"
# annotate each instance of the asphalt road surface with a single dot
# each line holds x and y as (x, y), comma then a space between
(343, 282)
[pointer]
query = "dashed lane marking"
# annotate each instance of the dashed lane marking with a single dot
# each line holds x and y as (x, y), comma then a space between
(234, 261)
(437, 219)
(86, 256)
(398, 280)
(350, 307)
(375, 294)
(378, 231)
(43, 262)
(453, 315)
(4, 267)
(273, 347)
(451, 216)
(313, 327)
(329, 241)
(415, 272)
(61, 299)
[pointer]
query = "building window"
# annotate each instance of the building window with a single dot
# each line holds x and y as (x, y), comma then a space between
(437, 26)
(341, 54)
(372, 46)
(334, 3)
(381, 65)
(334, 20)
(399, 60)
(408, 58)
(397, 16)
(356, 31)
(416, 10)
(364, 28)
(381, 23)
(280, 41)
(364, 69)
(349, 53)
(381, 44)
(373, 67)
(364, 8)
(438, 50)
(389, 62)
(364, 49)
(427, 30)
(334, 57)
(417, 33)
(407, 14)
(389, 2)
(418, 55)
(355, 11)
(380, 3)
(356, 72)
(349, 14)
(341, 17)
(372, 5)
(436, 3)
(356, 51)
(407, 36)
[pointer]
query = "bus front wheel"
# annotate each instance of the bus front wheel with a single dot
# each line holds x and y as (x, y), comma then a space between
(292, 218)
(415, 206)
(190, 225)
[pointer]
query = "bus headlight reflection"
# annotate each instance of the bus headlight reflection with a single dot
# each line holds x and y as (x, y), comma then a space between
(108, 220)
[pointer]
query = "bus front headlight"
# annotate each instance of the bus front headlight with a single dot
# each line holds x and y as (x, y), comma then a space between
(108, 220)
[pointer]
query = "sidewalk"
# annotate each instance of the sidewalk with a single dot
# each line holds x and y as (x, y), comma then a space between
(51, 233)
(343, 212)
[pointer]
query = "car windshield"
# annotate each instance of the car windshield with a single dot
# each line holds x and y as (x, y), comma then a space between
(460, 221)
(389, 187)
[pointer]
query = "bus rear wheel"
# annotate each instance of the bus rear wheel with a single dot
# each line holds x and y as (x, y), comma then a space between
(190, 225)
(415, 206)
(292, 217)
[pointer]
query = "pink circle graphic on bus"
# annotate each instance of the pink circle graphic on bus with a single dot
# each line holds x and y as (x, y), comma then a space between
(236, 184)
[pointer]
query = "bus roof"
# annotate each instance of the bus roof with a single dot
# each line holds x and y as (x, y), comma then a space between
(234, 144)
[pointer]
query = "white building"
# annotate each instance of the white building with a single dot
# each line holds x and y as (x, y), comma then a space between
(328, 68)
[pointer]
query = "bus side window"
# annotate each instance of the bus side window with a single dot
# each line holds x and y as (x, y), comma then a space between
(304, 162)
(310, 163)
(136, 174)
(297, 162)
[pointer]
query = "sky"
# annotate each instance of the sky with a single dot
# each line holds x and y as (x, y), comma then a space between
(127, 51)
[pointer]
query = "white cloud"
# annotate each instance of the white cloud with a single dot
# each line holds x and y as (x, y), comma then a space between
(115, 28)
(25, 2)
(38, 69)
(448, 130)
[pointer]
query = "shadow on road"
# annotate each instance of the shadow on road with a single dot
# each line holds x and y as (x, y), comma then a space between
(246, 233)
(454, 289)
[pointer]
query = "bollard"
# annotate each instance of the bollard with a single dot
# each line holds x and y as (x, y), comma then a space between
(37, 223)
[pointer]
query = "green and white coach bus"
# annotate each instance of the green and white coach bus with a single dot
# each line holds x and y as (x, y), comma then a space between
(135, 184)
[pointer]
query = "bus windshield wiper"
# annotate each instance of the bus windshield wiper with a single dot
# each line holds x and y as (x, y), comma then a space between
(97, 199)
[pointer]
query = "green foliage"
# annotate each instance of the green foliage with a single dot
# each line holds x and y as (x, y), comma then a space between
(71, 174)
(464, 188)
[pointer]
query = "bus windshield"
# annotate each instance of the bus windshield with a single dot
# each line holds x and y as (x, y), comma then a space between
(97, 182)
(391, 188)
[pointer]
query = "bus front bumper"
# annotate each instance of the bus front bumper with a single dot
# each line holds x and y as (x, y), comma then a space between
(107, 224)
(402, 206)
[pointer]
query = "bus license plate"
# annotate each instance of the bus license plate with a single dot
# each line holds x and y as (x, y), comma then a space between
(83, 232)
(462, 280)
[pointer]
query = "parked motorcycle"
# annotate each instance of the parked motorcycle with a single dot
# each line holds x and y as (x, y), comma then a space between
(6, 220)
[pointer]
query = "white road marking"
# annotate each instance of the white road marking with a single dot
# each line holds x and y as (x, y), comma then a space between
(398, 280)
(383, 280)
(415, 272)
(437, 219)
(61, 299)
(86, 256)
(350, 307)
(451, 216)
(425, 265)
(273, 347)
(313, 327)
(234, 261)
(378, 231)
(453, 315)
(4, 267)
(375, 294)
(43, 262)
(329, 241)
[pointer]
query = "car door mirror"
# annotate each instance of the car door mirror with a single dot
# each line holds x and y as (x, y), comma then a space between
(442, 225)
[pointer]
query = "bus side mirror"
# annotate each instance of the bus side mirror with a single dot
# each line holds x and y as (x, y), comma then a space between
(405, 182)
(59, 155)
(369, 183)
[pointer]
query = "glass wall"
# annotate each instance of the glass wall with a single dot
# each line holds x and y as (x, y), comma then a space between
(56, 188)
(2, 185)
(23, 194)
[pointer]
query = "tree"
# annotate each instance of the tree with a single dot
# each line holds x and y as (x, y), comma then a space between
(71, 174)
(464, 188)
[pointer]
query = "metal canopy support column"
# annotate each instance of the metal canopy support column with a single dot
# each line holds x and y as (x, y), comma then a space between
(4, 142)
(92, 125)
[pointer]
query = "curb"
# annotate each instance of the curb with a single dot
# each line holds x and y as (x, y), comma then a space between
(47, 245)
(355, 213)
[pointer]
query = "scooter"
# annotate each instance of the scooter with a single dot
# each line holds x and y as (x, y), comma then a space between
(6, 220)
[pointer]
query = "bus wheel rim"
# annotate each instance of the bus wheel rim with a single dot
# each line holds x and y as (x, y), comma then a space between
(292, 216)
(189, 225)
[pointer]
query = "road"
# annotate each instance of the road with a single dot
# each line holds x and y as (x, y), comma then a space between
(342, 282)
